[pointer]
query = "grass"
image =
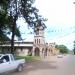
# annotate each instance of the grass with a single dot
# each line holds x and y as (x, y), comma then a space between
(29, 58)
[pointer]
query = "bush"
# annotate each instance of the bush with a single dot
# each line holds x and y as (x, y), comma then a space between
(29, 58)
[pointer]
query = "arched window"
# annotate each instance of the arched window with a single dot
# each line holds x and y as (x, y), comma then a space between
(39, 41)
(35, 41)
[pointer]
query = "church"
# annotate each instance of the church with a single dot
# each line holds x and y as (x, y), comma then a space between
(36, 48)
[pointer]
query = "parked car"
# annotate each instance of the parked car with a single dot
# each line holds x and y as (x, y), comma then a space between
(60, 56)
(8, 63)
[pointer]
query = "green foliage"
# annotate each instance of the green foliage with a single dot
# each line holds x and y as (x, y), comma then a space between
(29, 58)
(25, 9)
(21, 8)
(5, 22)
(62, 48)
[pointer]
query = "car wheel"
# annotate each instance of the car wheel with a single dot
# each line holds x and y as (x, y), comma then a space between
(20, 68)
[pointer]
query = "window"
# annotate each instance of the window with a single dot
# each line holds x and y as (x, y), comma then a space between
(35, 41)
(37, 32)
(5, 58)
(12, 58)
(39, 41)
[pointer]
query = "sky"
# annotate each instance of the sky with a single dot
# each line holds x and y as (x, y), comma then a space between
(60, 24)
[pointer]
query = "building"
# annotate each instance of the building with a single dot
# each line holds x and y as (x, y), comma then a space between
(20, 48)
(40, 47)
(36, 48)
(53, 50)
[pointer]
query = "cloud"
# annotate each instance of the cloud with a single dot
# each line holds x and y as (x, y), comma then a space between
(57, 11)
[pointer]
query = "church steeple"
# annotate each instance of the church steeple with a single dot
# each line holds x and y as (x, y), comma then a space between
(39, 35)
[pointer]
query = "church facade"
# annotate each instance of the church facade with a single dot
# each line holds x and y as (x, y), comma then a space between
(40, 47)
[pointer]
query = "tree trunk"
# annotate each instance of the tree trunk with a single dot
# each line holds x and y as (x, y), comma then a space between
(13, 30)
(13, 34)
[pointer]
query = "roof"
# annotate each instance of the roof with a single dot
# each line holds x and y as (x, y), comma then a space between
(16, 42)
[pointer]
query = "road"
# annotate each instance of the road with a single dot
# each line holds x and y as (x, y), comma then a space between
(50, 66)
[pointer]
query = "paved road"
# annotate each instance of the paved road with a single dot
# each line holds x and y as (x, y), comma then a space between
(50, 66)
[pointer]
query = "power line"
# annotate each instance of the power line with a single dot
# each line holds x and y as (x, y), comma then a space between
(65, 35)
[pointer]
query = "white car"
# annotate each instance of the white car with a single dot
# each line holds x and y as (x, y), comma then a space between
(8, 63)
(60, 56)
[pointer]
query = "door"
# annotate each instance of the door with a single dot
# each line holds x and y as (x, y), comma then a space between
(37, 51)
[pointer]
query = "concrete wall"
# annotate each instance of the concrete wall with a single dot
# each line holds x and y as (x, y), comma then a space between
(23, 52)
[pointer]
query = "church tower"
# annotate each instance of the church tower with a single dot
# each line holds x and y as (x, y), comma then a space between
(39, 36)
(39, 41)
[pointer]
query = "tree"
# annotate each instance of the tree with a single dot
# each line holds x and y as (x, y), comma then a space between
(25, 9)
(74, 48)
(15, 9)
(5, 22)
(62, 48)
